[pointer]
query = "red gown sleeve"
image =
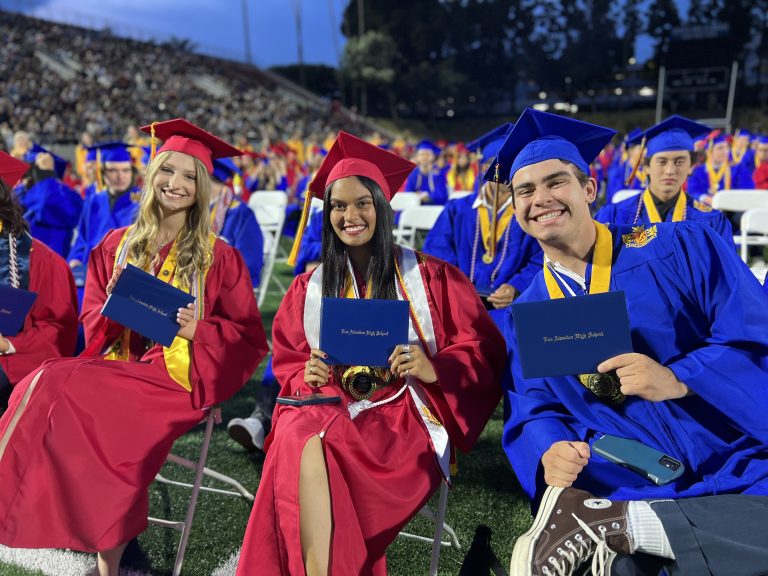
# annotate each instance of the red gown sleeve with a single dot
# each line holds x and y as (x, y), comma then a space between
(50, 329)
(230, 341)
(471, 354)
(99, 330)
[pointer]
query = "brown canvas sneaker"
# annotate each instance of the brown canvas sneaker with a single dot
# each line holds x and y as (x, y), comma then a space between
(571, 527)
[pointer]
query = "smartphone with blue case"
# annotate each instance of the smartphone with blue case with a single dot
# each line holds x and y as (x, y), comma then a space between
(658, 467)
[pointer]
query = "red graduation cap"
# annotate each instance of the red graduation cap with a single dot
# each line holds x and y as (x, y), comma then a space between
(179, 135)
(351, 156)
(11, 169)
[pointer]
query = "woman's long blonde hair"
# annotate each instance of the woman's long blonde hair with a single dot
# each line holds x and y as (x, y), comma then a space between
(193, 250)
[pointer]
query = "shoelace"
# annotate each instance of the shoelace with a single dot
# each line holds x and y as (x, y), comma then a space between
(578, 553)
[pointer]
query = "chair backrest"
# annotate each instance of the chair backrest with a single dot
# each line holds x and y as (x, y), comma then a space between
(621, 195)
(402, 200)
(269, 208)
(740, 200)
(456, 194)
(413, 219)
(755, 221)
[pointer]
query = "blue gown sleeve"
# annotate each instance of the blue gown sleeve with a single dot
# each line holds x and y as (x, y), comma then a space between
(311, 243)
(81, 248)
(248, 239)
(729, 368)
(441, 240)
(698, 183)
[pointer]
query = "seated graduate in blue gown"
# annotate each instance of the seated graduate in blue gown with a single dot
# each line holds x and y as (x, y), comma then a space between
(499, 269)
(113, 205)
(233, 221)
(627, 171)
(695, 387)
(668, 162)
(717, 173)
(52, 208)
(427, 178)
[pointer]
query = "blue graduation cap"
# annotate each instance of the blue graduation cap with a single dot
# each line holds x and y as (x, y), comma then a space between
(761, 139)
(115, 151)
(634, 138)
(490, 142)
(59, 163)
(674, 133)
(428, 145)
(224, 169)
(539, 136)
(741, 132)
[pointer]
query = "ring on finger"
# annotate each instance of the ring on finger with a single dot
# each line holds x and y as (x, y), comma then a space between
(405, 372)
(406, 348)
(408, 357)
(311, 369)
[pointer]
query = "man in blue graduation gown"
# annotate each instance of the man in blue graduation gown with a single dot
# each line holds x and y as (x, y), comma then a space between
(52, 208)
(717, 173)
(695, 387)
(427, 178)
(501, 268)
(114, 206)
(668, 162)
(233, 221)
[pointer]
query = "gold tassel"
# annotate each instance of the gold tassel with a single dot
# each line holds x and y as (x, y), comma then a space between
(99, 179)
(153, 142)
(300, 230)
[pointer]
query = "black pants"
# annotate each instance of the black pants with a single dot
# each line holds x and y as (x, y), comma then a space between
(723, 535)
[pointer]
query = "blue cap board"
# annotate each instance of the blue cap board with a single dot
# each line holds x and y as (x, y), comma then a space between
(59, 163)
(224, 169)
(539, 136)
(115, 151)
(674, 133)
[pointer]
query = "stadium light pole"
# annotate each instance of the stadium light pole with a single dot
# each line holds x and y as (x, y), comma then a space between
(299, 41)
(246, 32)
(360, 34)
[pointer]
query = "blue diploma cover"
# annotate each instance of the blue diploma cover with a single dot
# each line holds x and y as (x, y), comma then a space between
(359, 332)
(146, 305)
(570, 336)
(15, 304)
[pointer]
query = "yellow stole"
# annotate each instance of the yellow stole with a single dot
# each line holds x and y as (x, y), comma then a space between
(602, 258)
(716, 176)
(678, 214)
(485, 224)
(178, 356)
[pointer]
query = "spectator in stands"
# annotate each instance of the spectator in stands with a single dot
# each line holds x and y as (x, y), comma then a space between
(461, 175)
(50, 327)
(717, 173)
(693, 389)
(380, 459)
(114, 412)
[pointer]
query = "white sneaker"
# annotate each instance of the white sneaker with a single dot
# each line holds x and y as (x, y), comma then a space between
(248, 432)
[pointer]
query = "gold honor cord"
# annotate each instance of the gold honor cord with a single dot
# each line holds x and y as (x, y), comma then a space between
(602, 257)
(605, 386)
(716, 176)
(678, 215)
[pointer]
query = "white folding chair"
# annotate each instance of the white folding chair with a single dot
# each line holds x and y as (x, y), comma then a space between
(213, 417)
(413, 219)
(739, 201)
(456, 194)
(269, 208)
(621, 195)
(438, 518)
(754, 230)
(402, 200)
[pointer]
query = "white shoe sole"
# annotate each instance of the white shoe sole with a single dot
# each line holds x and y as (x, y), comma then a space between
(522, 555)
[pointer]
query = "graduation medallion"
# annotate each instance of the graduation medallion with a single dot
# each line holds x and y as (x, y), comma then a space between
(605, 386)
(361, 381)
(488, 258)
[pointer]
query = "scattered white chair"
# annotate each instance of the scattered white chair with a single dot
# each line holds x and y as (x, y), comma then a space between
(269, 208)
(621, 195)
(739, 200)
(402, 200)
(213, 417)
(754, 230)
(456, 194)
(413, 219)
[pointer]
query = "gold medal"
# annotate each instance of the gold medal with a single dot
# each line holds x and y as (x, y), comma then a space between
(605, 386)
(487, 257)
(361, 382)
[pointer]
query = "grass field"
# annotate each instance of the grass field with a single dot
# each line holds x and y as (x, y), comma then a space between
(485, 492)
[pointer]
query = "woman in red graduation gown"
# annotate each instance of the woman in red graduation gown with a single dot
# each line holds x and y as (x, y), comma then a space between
(340, 480)
(84, 437)
(50, 328)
